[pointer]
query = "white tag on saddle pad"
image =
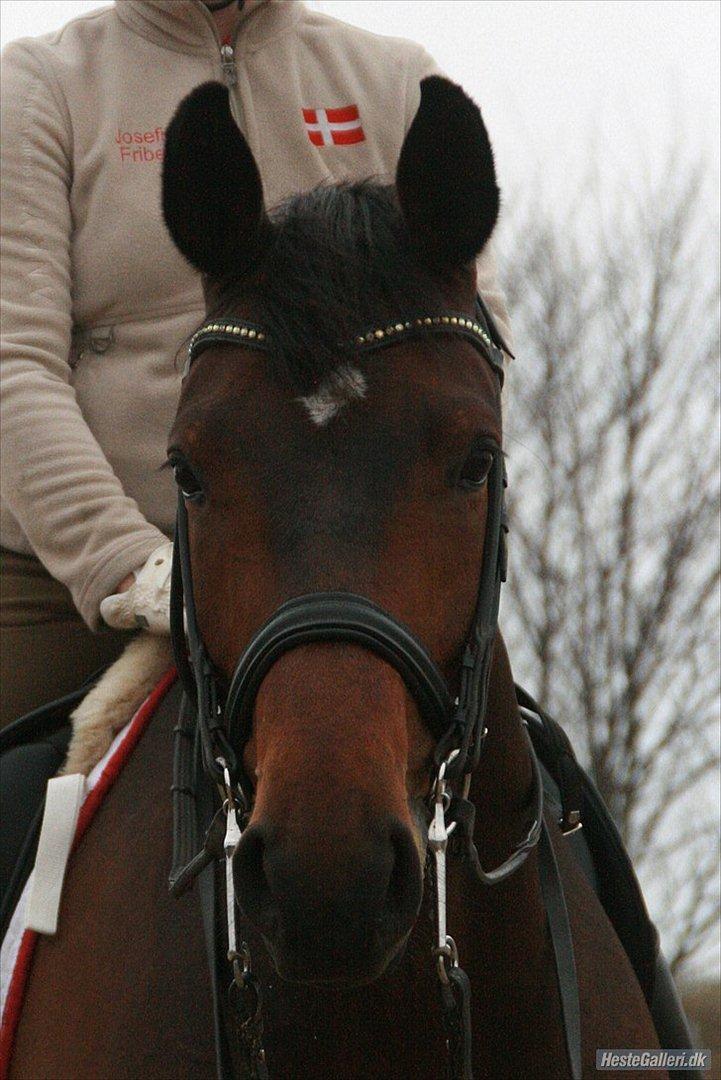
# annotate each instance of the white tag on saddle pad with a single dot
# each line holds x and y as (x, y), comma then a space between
(62, 806)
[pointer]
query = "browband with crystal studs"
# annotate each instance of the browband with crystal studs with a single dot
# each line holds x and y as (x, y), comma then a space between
(254, 336)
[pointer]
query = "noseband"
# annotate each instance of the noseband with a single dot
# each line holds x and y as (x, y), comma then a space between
(224, 714)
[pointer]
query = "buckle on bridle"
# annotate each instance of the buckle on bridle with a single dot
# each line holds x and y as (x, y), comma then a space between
(439, 830)
(571, 823)
(440, 784)
(446, 958)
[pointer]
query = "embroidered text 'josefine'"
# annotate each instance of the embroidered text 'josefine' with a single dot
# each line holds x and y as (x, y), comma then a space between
(139, 147)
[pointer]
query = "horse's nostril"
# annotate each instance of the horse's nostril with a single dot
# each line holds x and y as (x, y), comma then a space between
(251, 883)
(405, 881)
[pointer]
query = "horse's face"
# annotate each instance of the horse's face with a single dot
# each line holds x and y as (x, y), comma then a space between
(313, 475)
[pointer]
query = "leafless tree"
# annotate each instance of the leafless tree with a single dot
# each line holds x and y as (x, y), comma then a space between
(612, 432)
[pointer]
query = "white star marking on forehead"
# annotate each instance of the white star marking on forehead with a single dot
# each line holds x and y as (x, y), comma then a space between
(345, 384)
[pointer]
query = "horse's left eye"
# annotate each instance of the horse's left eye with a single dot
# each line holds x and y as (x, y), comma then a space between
(187, 481)
(475, 469)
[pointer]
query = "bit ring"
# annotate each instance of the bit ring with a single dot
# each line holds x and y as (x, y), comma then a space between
(446, 954)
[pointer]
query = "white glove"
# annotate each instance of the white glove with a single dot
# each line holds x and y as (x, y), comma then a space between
(146, 603)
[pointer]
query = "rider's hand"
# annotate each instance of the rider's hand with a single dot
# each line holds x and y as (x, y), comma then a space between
(143, 598)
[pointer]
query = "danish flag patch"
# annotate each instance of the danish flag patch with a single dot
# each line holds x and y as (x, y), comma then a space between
(334, 127)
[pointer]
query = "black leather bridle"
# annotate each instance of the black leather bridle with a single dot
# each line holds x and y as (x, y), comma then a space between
(224, 712)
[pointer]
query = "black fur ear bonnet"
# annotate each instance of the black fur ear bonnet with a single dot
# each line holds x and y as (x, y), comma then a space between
(446, 179)
(212, 196)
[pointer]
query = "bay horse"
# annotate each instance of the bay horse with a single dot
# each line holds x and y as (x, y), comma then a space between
(312, 464)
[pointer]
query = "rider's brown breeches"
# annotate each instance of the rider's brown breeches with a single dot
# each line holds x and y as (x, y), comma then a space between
(46, 650)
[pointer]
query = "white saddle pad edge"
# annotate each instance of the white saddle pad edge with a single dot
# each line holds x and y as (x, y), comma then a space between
(13, 938)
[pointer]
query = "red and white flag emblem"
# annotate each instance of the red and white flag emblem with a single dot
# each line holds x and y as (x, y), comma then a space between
(334, 127)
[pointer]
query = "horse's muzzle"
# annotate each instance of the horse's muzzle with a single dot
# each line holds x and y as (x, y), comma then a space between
(336, 913)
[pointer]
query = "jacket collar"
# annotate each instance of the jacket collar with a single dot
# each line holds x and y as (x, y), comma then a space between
(186, 25)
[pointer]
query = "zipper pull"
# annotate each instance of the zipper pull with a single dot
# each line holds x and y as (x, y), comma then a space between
(101, 339)
(227, 62)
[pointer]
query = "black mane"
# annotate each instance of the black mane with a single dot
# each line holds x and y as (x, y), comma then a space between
(340, 264)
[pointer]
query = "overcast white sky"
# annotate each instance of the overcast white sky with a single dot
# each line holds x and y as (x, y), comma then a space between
(547, 73)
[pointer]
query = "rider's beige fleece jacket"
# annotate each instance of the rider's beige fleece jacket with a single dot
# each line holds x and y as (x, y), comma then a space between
(96, 301)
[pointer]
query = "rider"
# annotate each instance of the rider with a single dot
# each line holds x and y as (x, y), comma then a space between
(97, 301)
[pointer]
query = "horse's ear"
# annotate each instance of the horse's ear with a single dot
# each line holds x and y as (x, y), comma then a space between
(212, 191)
(446, 180)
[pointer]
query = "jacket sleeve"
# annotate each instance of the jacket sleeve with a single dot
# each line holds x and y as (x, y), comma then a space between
(486, 268)
(55, 478)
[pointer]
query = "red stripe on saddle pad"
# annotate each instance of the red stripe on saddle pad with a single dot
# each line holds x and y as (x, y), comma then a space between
(18, 982)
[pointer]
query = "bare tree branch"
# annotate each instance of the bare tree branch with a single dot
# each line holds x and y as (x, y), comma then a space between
(613, 599)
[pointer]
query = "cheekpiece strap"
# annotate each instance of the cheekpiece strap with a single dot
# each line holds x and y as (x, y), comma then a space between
(253, 336)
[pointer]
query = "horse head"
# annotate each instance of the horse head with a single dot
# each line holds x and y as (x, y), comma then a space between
(320, 464)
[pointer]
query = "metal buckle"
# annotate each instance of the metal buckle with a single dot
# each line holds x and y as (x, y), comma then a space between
(239, 958)
(446, 955)
(445, 951)
(572, 823)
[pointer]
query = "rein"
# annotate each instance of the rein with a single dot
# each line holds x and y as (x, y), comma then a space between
(224, 716)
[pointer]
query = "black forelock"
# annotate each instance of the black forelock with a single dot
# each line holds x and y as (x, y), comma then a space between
(340, 264)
